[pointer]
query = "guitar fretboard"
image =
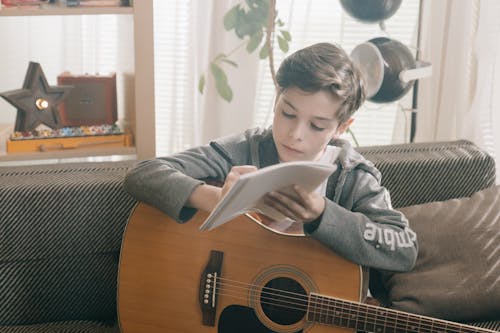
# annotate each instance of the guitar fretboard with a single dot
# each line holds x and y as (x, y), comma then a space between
(358, 316)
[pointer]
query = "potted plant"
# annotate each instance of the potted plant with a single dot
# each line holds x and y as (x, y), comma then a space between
(257, 25)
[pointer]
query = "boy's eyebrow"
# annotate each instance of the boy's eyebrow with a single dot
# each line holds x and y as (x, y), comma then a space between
(293, 107)
(289, 104)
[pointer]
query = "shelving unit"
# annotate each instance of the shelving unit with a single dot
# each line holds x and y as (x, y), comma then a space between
(59, 10)
(143, 124)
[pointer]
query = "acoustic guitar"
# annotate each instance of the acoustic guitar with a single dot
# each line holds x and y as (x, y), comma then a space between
(174, 278)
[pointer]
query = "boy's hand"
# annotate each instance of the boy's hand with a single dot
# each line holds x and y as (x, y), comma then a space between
(206, 196)
(303, 206)
(233, 175)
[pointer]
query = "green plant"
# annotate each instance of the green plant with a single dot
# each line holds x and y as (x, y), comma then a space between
(254, 22)
(251, 20)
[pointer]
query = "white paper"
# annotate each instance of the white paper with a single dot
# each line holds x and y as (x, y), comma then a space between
(247, 192)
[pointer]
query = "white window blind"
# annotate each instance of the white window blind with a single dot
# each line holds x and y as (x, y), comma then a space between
(487, 99)
(174, 76)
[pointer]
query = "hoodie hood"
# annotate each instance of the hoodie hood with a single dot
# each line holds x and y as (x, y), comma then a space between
(349, 159)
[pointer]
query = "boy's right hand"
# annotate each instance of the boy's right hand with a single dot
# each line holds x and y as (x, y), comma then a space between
(206, 196)
(234, 175)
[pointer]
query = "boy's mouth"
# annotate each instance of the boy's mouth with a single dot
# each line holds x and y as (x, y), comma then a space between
(293, 150)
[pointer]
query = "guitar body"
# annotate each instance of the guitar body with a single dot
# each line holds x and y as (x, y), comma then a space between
(163, 264)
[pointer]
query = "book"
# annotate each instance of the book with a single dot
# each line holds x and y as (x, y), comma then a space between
(248, 192)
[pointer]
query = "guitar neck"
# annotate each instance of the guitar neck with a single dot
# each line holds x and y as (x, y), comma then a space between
(359, 316)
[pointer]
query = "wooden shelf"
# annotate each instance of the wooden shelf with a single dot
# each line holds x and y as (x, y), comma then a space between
(84, 153)
(43, 10)
(143, 101)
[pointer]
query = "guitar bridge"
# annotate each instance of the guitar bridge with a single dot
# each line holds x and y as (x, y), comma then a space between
(208, 287)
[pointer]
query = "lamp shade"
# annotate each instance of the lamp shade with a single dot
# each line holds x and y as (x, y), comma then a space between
(371, 11)
(388, 67)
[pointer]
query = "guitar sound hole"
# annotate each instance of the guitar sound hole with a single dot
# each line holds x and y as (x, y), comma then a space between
(284, 301)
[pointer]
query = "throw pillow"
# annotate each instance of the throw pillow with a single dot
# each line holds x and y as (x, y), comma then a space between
(457, 273)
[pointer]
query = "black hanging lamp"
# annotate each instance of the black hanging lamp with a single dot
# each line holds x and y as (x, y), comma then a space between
(388, 66)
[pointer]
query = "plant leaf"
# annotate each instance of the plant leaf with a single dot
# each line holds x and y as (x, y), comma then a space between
(257, 3)
(254, 41)
(219, 57)
(201, 83)
(247, 26)
(264, 52)
(224, 91)
(252, 20)
(286, 35)
(250, 3)
(283, 44)
(231, 17)
(221, 83)
(229, 61)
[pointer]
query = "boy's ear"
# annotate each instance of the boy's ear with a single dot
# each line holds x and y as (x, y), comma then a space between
(343, 127)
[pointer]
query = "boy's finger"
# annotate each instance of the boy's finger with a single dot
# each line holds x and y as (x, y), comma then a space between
(242, 169)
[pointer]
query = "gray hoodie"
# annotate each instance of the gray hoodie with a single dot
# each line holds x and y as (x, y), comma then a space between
(358, 222)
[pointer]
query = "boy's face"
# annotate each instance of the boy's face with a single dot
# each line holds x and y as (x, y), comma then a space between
(304, 123)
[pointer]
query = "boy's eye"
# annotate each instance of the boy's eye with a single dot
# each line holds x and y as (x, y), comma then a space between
(317, 128)
(288, 115)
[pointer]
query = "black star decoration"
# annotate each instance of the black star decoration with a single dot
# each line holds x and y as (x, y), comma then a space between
(36, 102)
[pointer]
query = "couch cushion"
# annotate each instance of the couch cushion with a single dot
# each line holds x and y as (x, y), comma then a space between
(68, 288)
(457, 274)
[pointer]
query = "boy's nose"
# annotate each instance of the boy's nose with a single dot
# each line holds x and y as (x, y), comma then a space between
(297, 132)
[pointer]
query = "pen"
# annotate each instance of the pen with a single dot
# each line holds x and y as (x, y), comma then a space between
(221, 152)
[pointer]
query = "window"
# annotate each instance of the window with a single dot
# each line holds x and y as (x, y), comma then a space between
(176, 120)
(178, 43)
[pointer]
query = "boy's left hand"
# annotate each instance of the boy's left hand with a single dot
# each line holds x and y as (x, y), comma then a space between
(303, 207)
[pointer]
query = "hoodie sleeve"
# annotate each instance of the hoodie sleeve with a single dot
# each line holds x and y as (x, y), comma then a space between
(370, 233)
(167, 182)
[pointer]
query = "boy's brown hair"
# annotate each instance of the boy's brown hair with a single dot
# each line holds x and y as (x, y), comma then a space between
(324, 66)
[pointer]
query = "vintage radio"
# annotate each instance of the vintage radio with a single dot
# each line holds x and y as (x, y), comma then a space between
(92, 101)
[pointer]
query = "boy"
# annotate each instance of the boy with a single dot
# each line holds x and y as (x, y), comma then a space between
(319, 91)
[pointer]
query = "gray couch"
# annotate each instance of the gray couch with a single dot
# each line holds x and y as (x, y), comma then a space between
(61, 228)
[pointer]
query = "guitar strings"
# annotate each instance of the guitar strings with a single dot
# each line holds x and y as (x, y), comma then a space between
(418, 324)
(335, 309)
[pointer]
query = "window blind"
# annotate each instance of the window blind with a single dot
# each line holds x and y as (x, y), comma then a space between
(175, 121)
